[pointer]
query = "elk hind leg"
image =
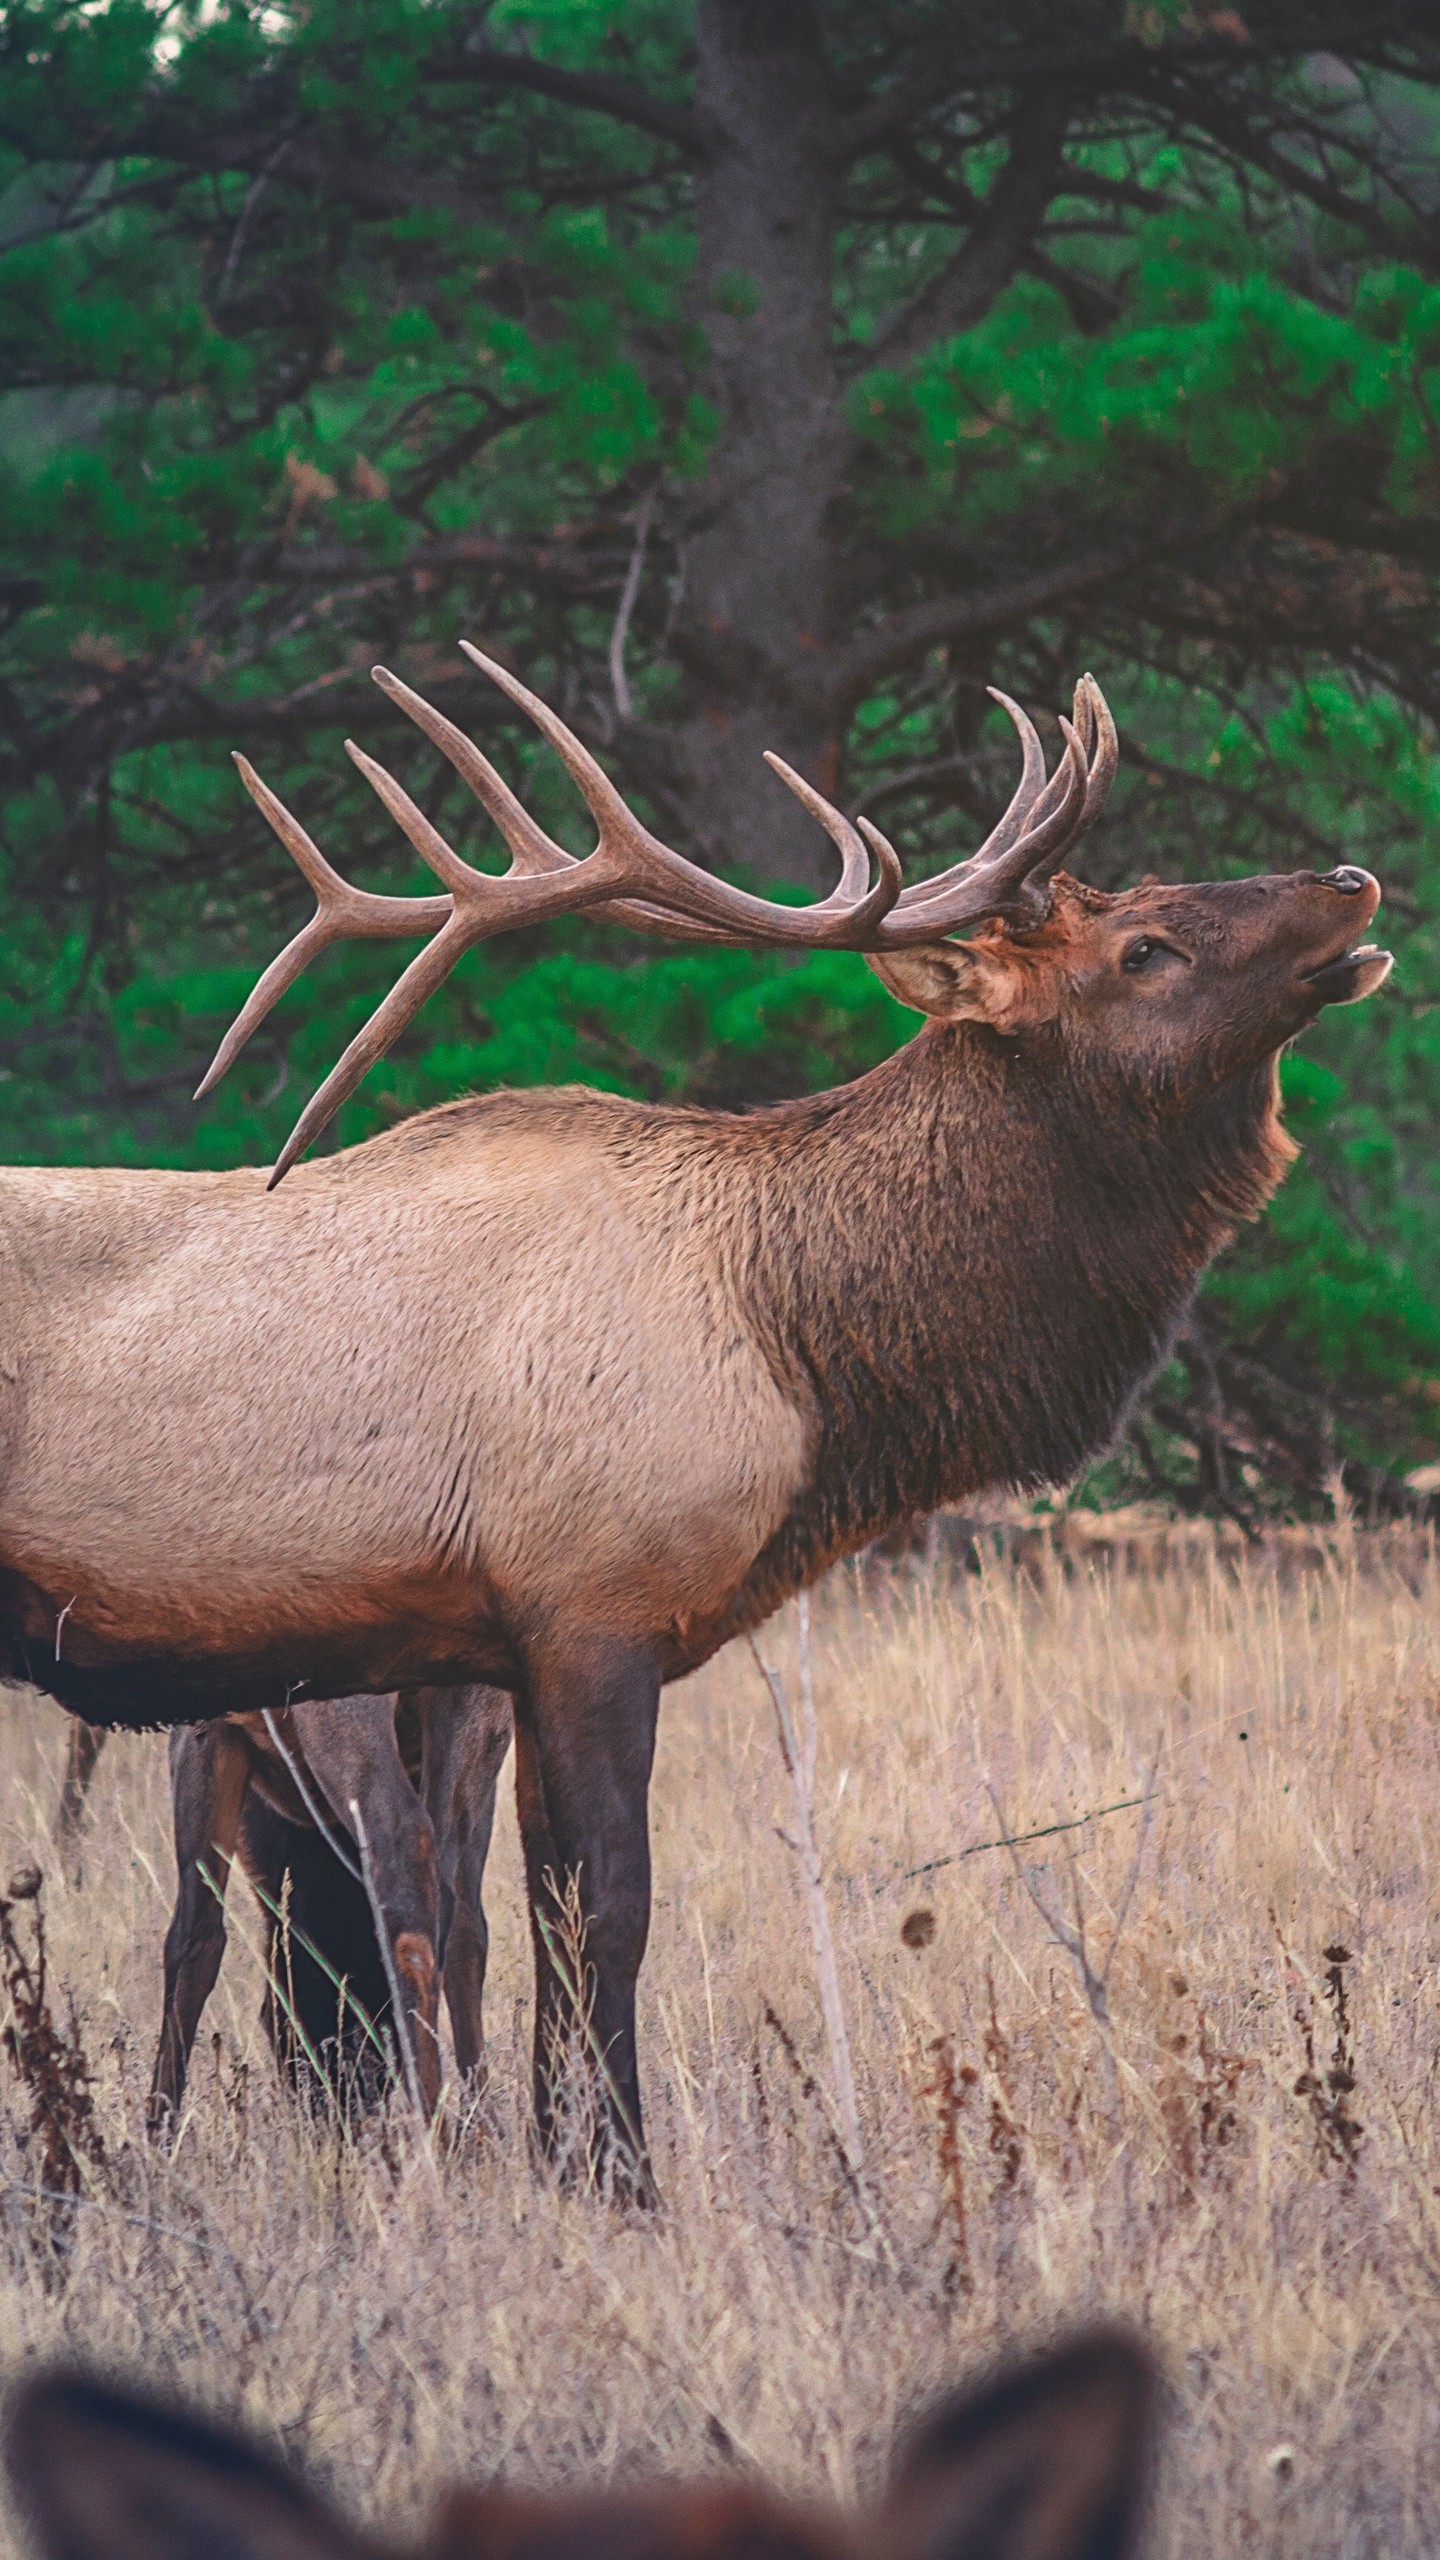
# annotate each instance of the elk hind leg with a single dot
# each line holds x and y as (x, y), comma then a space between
(209, 1774)
(354, 1757)
(465, 1734)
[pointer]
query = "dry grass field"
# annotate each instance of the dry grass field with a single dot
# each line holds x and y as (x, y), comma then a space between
(1268, 2214)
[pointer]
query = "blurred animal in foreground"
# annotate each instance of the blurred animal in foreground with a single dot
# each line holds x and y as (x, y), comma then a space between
(561, 1391)
(281, 1791)
(1047, 2461)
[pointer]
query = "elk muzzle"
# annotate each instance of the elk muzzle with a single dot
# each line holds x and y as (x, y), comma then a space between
(1354, 969)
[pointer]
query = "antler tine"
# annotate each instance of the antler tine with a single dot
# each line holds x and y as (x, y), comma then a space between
(854, 861)
(1027, 804)
(1033, 896)
(530, 847)
(994, 878)
(340, 910)
(600, 795)
(532, 851)
(458, 876)
(1106, 754)
(970, 893)
(653, 871)
(398, 1010)
(851, 896)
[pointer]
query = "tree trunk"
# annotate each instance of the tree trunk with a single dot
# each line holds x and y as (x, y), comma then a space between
(756, 616)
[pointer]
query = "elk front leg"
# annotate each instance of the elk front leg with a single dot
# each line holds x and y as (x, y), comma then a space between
(584, 1749)
(209, 1774)
(353, 1756)
(464, 1734)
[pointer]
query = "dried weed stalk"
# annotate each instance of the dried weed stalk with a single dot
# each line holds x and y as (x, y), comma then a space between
(1005, 2138)
(798, 1754)
(1199, 2084)
(814, 2095)
(579, 2071)
(948, 2090)
(569, 2029)
(1073, 1935)
(1327, 2095)
(49, 2060)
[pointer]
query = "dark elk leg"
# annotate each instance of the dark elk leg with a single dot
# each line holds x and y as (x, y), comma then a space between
(354, 1758)
(464, 1734)
(319, 1932)
(209, 1774)
(85, 1745)
(584, 1748)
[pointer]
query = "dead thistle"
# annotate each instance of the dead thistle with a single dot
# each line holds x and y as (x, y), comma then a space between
(49, 2060)
(1198, 2085)
(1327, 2095)
(1005, 2140)
(948, 2090)
(812, 2093)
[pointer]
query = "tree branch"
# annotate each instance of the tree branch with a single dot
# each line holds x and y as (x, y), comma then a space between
(1207, 113)
(1000, 606)
(598, 91)
(963, 290)
(1089, 64)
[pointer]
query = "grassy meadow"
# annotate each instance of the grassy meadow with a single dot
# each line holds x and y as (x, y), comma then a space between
(1245, 2162)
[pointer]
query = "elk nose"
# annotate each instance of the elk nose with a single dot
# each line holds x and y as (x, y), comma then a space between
(1349, 880)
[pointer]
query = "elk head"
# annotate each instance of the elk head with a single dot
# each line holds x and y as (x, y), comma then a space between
(1047, 2462)
(1172, 990)
(1172, 984)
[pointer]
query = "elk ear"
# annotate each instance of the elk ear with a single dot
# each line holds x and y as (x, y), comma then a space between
(953, 981)
(105, 2477)
(1047, 2462)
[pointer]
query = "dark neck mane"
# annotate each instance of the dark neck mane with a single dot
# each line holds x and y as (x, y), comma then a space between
(970, 1262)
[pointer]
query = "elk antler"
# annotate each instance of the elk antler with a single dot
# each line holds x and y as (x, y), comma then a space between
(635, 879)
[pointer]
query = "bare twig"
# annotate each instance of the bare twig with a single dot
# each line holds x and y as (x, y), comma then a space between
(1071, 1936)
(628, 593)
(1013, 1840)
(113, 2213)
(331, 1839)
(799, 1758)
(255, 191)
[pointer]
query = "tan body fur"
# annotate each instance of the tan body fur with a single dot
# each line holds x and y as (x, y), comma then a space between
(391, 1346)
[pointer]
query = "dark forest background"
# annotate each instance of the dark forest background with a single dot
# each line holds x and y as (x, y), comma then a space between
(760, 374)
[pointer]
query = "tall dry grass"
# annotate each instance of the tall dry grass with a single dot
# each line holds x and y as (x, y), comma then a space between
(1197, 2168)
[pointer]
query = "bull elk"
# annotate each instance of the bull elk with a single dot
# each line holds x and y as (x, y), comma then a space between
(1046, 2461)
(559, 1391)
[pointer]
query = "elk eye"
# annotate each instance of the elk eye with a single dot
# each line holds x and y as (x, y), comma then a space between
(1141, 953)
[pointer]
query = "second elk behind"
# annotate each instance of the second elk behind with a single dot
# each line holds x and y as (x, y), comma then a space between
(280, 1792)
